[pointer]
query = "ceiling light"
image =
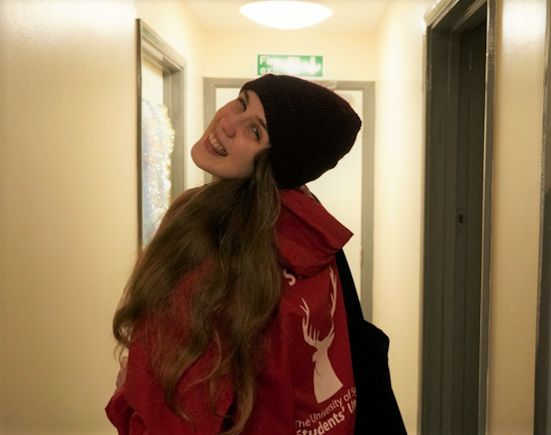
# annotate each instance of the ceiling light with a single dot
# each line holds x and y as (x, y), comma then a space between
(285, 14)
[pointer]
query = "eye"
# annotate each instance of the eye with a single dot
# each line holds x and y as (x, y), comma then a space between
(243, 103)
(256, 132)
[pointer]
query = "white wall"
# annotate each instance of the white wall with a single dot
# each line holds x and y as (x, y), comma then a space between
(515, 223)
(346, 56)
(68, 214)
(399, 196)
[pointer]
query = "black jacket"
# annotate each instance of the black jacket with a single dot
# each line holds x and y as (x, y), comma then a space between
(377, 412)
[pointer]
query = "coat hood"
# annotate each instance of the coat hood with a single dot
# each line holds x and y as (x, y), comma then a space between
(308, 236)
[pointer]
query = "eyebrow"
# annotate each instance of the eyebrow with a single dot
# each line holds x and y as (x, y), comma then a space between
(260, 120)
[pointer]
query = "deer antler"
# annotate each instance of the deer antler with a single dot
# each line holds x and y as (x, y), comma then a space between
(326, 381)
(312, 335)
(334, 293)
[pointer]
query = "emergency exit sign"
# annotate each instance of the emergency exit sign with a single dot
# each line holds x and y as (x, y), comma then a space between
(304, 66)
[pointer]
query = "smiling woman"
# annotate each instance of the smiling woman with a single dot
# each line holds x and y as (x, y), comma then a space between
(68, 174)
(239, 301)
(69, 193)
(236, 134)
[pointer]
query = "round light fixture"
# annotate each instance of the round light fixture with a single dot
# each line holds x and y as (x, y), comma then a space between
(285, 14)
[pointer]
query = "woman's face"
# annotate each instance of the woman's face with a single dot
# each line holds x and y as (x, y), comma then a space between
(233, 138)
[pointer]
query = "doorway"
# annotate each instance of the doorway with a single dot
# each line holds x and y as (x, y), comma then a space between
(160, 118)
(347, 190)
(457, 217)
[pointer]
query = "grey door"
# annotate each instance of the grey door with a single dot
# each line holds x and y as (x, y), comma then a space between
(460, 63)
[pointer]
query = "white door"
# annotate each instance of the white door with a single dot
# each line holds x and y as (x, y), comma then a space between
(340, 191)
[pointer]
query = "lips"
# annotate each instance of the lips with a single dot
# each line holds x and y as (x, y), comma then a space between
(216, 145)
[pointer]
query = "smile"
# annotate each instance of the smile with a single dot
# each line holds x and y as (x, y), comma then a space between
(217, 146)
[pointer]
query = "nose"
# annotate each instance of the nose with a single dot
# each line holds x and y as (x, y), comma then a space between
(228, 124)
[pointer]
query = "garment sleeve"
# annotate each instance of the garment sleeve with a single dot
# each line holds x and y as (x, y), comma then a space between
(139, 407)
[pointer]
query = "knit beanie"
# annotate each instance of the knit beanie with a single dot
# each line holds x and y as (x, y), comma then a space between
(310, 127)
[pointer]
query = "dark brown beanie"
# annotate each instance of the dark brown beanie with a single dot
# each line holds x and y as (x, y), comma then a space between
(310, 127)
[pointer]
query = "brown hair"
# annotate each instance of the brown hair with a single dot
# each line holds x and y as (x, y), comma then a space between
(229, 226)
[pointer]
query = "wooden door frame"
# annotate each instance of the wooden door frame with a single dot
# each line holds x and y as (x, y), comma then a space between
(444, 22)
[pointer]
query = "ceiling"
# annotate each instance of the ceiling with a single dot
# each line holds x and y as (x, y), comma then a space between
(348, 15)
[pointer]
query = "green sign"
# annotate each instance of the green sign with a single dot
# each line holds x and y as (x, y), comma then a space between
(304, 66)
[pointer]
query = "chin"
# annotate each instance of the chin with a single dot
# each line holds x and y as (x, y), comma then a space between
(196, 155)
(199, 161)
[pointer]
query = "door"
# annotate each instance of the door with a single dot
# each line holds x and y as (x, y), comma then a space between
(340, 191)
(460, 61)
(468, 234)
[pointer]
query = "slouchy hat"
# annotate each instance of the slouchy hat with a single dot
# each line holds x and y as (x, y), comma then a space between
(310, 127)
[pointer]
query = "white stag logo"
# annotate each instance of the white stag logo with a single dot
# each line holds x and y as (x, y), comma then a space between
(326, 382)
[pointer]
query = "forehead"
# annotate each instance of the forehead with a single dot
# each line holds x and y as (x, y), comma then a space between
(252, 98)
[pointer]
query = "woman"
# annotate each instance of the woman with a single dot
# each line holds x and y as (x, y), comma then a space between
(234, 314)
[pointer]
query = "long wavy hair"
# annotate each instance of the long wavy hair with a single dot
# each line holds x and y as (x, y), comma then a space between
(226, 229)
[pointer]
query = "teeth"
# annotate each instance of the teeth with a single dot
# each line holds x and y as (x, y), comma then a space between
(217, 146)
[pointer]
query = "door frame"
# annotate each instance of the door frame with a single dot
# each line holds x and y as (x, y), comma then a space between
(444, 22)
(542, 390)
(151, 47)
(211, 84)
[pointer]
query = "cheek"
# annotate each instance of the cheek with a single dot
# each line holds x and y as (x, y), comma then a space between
(198, 155)
(247, 160)
(193, 153)
(209, 128)
(244, 172)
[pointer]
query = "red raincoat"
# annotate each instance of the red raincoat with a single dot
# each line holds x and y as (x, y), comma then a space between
(306, 384)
